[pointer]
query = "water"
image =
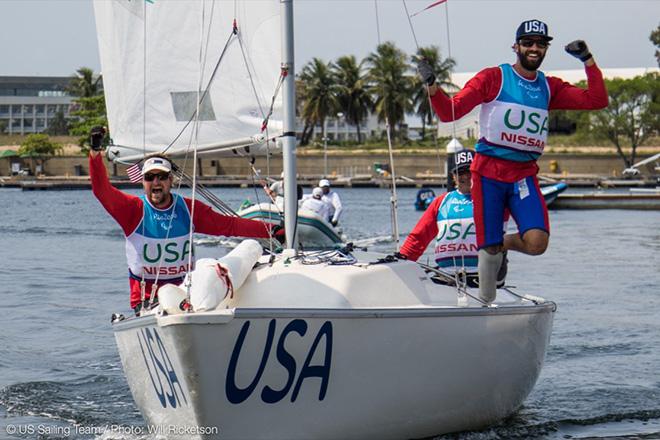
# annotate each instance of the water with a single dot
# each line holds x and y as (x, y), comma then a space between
(63, 273)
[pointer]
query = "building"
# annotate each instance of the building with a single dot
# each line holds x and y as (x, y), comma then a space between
(468, 125)
(28, 104)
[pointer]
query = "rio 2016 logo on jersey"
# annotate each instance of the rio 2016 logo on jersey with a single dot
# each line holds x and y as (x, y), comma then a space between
(320, 348)
(160, 369)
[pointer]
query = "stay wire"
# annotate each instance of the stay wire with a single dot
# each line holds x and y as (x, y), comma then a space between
(206, 90)
(143, 284)
(393, 197)
(264, 115)
(458, 280)
(428, 92)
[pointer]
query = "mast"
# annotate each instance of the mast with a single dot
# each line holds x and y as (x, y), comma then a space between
(289, 125)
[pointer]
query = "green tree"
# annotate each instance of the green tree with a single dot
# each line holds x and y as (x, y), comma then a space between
(88, 112)
(89, 106)
(442, 69)
(655, 39)
(633, 114)
(308, 127)
(3, 126)
(84, 85)
(58, 126)
(354, 99)
(390, 84)
(39, 145)
(320, 94)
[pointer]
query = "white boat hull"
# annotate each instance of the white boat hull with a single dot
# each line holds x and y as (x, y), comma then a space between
(339, 370)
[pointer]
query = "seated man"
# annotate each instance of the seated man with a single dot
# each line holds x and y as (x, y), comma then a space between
(449, 219)
(316, 204)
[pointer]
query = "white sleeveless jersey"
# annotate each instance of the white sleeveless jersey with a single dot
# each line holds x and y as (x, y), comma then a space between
(514, 126)
(456, 243)
(160, 244)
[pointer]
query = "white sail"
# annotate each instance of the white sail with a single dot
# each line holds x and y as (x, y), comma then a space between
(152, 94)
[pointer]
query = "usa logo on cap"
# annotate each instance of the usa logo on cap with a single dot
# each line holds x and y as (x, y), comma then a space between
(532, 28)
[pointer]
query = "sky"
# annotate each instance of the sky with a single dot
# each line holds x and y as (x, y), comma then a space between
(56, 37)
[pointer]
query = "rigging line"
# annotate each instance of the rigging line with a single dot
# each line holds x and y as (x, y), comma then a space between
(208, 39)
(453, 111)
(144, 126)
(208, 86)
(393, 197)
(258, 177)
(176, 196)
(453, 115)
(377, 21)
(247, 67)
(428, 94)
(256, 194)
(206, 193)
(196, 143)
(266, 117)
(412, 29)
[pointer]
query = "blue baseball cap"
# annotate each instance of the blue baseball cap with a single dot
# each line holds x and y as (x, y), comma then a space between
(533, 28)
(461, 160)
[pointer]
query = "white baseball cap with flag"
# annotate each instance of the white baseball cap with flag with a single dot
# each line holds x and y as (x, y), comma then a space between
(156, 163)
(317, 192)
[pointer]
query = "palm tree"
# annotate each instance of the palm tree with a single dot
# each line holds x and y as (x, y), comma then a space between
(442, 69)
(354, 99)
(301, 93)
(84, 85)
(390, 83)
(320, 93)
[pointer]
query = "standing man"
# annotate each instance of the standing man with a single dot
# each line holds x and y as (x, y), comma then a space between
(513, 125)
(157, 224)
(332, 198)
(449, 220)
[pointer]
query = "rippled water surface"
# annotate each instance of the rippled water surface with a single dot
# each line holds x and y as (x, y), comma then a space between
(63, 273)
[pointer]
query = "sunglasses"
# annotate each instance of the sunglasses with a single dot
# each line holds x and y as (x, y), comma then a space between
(161, 176)
(539, 43)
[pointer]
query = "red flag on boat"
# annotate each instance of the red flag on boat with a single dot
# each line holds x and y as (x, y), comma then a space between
(429, 7)
(134, 172)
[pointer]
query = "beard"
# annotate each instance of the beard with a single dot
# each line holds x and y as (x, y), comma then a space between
(530, 64)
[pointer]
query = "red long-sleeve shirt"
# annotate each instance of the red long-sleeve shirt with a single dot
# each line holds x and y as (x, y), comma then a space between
(424, 231)
(127, 210)
(485, 86)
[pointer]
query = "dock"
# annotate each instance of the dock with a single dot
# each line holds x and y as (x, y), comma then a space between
(633, 201)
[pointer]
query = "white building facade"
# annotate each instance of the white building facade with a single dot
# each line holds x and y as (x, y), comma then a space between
(30, 104)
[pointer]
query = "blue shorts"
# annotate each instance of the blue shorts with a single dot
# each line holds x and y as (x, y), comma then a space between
(491, 198)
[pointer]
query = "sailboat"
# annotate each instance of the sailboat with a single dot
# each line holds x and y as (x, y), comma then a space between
(313, 231)
(323, 344)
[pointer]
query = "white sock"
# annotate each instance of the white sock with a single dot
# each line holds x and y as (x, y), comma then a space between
(489, 265)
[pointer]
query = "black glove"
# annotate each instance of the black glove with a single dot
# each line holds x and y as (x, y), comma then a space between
(425, 72)
(277, 232)
(96, 136)
(333, 222)
(400, 256)
(578, 49)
